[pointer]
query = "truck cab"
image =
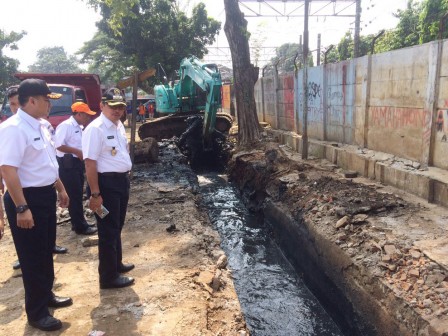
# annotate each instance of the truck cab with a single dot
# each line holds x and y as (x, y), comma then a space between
(73, 87)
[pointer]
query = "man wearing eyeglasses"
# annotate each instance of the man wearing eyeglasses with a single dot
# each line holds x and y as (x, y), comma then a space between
(106, 155)
(29, 168)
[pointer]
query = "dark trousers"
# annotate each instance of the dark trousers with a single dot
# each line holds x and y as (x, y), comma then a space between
(34, 248)
(115, 193)
(71, 173)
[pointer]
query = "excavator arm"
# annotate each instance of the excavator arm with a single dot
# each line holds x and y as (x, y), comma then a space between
(195, 75)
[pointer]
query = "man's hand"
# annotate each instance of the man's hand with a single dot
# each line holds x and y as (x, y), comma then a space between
(25, 220)
(78, 153)
(63, 199)
(95, 202)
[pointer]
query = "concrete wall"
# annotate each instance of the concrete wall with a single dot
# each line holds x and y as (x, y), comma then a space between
(397, 102)
(394, 102)
(265, 99)
(315, 97)
(285, 95)
(340, 98)
(440, 133)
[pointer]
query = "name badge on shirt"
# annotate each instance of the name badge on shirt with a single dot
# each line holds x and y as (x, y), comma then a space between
(76, 131)
(36, 139)
(110, 137)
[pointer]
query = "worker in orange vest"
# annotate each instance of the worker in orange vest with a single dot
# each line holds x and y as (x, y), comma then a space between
(151, 111)
(142, 112)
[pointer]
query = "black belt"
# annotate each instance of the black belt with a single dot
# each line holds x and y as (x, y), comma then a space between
(111, 174)
(48, 187)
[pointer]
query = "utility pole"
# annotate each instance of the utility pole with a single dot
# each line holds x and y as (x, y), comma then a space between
(305, 83)
(318, 49)
(134, 115)
(357, 28)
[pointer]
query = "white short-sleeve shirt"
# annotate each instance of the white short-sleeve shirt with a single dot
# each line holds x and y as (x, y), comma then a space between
(68, 133)
(25, 143)
(106, 143)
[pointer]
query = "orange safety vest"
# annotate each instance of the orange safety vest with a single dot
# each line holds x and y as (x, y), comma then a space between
(141, 110)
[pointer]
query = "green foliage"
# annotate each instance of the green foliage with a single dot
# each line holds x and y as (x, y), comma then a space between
(8, 65)
(138, 34)
(431, 13)
(258, 38)
(55, 60)
(407, 32)
(388, 41)
(418, 23)
(285, 55)
(104, 59)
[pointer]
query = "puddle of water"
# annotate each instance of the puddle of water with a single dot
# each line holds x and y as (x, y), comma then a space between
(275, 301)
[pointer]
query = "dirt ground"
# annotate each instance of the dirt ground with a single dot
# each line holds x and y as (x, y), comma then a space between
(182, 286)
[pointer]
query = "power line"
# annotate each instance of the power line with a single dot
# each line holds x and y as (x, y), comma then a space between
(294, 8)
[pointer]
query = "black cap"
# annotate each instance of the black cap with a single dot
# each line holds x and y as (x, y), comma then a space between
(113, 97)
(36, 87)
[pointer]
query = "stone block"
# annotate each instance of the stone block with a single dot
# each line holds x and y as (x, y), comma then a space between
(408, 181)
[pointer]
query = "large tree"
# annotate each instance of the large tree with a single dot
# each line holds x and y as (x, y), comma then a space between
(55, 60)
(244, 73)
(143, 33)
(8, 65)
(103, 58)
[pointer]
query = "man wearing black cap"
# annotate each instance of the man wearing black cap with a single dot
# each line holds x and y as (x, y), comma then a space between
(30, 170)
(106, 155)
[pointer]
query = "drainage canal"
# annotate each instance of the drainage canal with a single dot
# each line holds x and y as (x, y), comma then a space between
(275, 301)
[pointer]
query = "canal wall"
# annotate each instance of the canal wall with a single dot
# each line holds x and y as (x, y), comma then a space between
(376, 271)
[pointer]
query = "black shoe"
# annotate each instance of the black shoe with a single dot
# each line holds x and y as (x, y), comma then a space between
(59, 249)
(60, 302)
(87, 231)
(47, 323)
(119, 282)
(125, 268)
(16, 265)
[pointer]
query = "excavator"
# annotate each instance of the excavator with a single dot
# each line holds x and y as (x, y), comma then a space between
(188, 103)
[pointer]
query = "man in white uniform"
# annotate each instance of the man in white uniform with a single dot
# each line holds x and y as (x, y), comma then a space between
(13, 99)
(106, 155)
(68, 142)
(30, 170)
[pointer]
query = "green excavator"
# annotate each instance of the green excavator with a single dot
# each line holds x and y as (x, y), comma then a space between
(195, 95)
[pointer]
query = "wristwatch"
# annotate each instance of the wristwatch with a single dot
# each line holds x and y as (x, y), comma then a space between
(22, 208)
(95, 194)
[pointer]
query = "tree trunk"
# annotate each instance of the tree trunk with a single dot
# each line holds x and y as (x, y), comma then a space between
(244, 74)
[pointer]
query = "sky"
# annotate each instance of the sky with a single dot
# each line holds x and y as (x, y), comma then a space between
(70, 23)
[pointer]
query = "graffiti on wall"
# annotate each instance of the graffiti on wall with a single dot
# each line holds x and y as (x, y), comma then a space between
(397, 117)
(314, 91)
(335, 96)
(442, 123)
(288, 96)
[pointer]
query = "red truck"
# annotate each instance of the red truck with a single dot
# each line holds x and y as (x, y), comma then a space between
(73, 87)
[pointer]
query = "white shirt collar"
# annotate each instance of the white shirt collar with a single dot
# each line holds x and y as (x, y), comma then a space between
(107, 122)
(75, 123)
(34, 123)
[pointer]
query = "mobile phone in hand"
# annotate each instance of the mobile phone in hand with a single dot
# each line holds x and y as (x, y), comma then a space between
(102, 211)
